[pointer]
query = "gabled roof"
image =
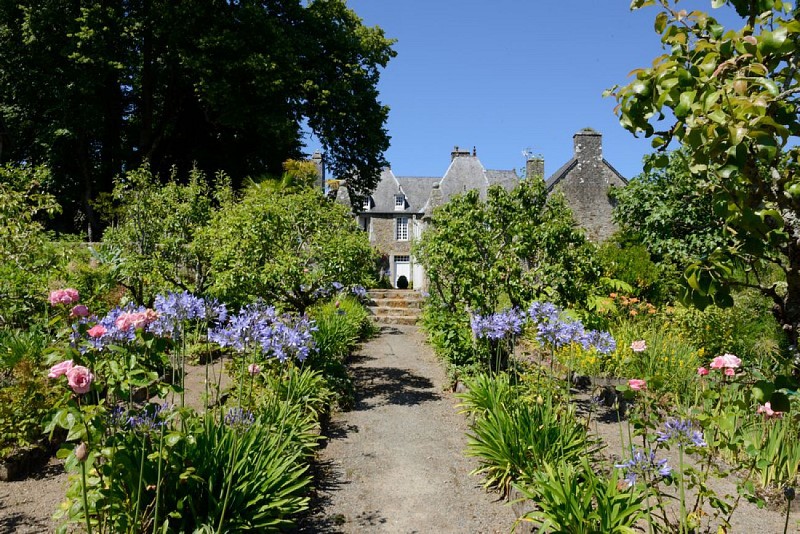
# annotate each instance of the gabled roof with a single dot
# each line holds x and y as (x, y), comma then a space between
(557, 176)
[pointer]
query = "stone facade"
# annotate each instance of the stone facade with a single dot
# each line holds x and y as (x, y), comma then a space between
(585, 181)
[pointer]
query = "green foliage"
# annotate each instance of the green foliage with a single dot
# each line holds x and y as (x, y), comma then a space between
(747, 330)
(152, 247)
(730, 97)
(282, 247)
(513, 437)
(632, 265)
(521, 244)
(665, 211)
(25, 394)
(450, 336)
(572, 498)
(25, 253)
(228, 86)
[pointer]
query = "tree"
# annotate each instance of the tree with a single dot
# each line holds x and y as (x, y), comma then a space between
(214, 85)
(284, 247)
(664, 210)
(730, 97)
(520, 244)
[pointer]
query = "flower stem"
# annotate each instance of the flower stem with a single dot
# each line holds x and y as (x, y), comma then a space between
(85, 498)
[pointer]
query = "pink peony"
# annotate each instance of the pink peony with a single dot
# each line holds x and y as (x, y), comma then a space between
(702, 371)
(253, 369)
(96, 331)
(767, 410)
(79, 378)
(637, 384)
(639, 346)
(79, 311)
(63, 296)
(60, 369)
(726, 361)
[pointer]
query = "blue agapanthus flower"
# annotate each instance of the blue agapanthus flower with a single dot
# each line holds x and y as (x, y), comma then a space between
(682, 432)
(643, 464)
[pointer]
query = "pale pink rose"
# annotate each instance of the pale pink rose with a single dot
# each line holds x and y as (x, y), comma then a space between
(639, 346)
(96, 331)
(767, 410)
(79, 378)
(637, 384)
(79, 311)
(126, 321)
(253, 368)
(726, 361)
(729, 372)
(63, 296)
(60, 369)
(702, 371)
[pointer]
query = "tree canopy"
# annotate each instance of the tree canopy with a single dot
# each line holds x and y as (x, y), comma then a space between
(96, 88)
(730, 97)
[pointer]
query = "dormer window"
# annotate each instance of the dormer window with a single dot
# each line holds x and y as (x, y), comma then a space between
(400, 202)
(367, 204)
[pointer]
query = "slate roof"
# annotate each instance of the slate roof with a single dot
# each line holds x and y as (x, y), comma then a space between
(465, 172)
(557, 176)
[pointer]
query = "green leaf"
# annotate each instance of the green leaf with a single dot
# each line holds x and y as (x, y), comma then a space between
(762, 390)
(779, 402)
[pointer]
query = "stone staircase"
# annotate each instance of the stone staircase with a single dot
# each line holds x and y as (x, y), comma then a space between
(395, 306)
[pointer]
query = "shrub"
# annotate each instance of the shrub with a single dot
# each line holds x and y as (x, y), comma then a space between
(402, 282)
(513, 437)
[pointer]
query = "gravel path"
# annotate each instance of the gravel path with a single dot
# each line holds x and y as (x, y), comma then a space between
(395, 463)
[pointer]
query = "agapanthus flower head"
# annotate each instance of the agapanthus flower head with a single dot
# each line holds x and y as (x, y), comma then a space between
(682, 432)
(540, 312)
(603, 342)
(337, 286)
(151, 418)
(239, 418)
(66, 296)
(500, 325)
(359, 292)
(175, 309)
(644, 464)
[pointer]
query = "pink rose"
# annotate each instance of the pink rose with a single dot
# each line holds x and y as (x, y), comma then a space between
(126, 321)
(767, 410)
(63, 296)
(639, 346)
(96, 331)
(702, 371)
(253, 369)
(726, 361)
(60, 369)
(729, 372)
(79, 311)
(79, 378)
(637, 384)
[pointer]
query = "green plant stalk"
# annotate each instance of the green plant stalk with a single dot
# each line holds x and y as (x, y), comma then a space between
(85, 498)
(158, 478)
(786, 522)
(682, 490)
(139, 490)
(229, 487)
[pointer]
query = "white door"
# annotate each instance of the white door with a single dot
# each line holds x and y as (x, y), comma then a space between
(402, 267)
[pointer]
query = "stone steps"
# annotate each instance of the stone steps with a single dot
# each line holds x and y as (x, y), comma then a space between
(395, 306)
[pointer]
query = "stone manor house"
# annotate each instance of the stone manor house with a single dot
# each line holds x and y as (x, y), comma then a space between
(401, 206)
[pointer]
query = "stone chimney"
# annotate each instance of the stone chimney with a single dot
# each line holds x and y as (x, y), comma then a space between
(458, 153)
(534, 166)
(319, 162)
(588, 146)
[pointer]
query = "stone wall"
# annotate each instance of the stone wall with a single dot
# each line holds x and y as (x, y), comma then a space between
(586, 186)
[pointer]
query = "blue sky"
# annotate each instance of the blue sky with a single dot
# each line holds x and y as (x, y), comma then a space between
(510, 75)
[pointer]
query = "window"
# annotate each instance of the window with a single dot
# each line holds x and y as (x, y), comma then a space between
(367, 204)
(401, 229)
(402, 259)
(399, 202)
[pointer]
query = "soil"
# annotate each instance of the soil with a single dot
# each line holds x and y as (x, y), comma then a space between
(394, 463)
